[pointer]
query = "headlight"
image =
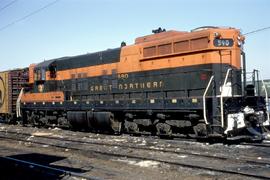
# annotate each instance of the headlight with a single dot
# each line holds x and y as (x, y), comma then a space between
(217, 35)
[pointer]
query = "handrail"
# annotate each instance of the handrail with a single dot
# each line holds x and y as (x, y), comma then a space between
(266, 102)
(18, 104)
(221, 97)
(204, 104)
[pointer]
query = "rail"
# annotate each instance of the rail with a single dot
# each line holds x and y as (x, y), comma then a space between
(221, 97)
(204, 103)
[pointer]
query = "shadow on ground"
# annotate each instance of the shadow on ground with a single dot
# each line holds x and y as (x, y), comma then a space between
(12, 169)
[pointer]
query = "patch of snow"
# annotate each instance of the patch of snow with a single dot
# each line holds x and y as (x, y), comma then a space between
(267, 137)
(120, 140)
(158, 148)
(217, 145)
(29, 138)
(213, 173)
(142, 144)
(126, 161)
(182, 156)
(243, 146)
(57, 136)
(197, 153)
(41, 134)
(146, 163)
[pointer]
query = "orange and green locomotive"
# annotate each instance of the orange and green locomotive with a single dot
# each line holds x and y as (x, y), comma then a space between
(168, 83)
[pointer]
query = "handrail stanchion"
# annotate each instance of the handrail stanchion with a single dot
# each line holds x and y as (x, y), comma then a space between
(18, 104)
(266, 103)
(221, 97)
(204, 103)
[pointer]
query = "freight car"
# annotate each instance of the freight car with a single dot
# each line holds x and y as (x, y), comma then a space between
(11, 83)
(167, 83)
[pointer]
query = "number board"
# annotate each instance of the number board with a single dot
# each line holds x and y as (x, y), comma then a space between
(223, 42)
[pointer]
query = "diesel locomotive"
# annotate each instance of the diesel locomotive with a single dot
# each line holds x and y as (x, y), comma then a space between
(168, 83)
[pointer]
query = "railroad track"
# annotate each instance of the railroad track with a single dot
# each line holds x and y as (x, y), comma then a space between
(266, 145)
(172, 149)
(144, 153)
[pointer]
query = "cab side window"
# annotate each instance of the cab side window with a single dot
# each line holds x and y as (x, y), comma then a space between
(52, 70)
(40, 75)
